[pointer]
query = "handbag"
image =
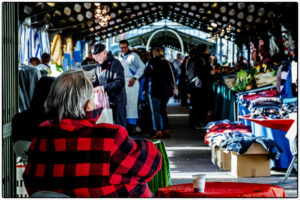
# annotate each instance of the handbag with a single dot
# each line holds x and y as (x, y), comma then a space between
(106, 116)
(194, 81)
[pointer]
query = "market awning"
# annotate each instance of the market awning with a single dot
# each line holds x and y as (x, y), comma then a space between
(237, 20)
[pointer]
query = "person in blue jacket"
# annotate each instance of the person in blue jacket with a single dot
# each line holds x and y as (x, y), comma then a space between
(109, 73)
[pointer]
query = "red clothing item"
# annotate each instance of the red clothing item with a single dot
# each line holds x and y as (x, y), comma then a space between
(268, 93)
(225, 128)
(82, 159)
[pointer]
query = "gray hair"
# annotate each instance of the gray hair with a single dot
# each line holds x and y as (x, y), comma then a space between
(68, 95)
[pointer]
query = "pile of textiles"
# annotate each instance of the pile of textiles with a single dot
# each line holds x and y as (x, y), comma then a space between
(232, 136)
(241, 143)
(246, 97)
(265, 108)
(290, 105)
(266, 105)
(219, 128)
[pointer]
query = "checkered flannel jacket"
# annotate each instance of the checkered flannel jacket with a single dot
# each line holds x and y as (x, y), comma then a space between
(82, 159)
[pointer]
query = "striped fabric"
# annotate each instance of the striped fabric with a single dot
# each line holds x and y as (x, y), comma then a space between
(82, 159)
(32, 43)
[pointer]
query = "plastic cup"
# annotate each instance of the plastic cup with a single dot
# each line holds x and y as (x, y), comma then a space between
(199, 183)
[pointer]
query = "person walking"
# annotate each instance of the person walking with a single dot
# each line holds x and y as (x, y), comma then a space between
(133, 69)
(159, 72)
(109, 73)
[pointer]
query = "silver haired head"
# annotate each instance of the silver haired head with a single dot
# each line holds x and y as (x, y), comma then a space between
(68, 95)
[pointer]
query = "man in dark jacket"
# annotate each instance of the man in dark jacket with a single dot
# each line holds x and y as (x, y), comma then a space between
(110, 74)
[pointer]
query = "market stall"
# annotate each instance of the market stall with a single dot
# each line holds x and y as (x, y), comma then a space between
(269, 117)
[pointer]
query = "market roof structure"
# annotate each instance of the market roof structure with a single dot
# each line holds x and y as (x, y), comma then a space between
(237, 20)
(167, 36)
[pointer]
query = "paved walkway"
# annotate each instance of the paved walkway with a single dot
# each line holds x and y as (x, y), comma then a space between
(189, 155)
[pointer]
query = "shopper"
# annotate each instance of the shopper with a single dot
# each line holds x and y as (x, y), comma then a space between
(44, 66)
(28, 78)
(159, 72)
(176, 63)
(73, 155)
(182, 84)
(110, 74)
(134, 69)
(200, 85)
(34, 61)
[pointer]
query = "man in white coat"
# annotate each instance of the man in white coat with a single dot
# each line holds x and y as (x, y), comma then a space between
(133, 69)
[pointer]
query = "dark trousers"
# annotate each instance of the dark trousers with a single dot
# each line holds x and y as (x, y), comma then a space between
(119, 114)
(199, 105)
(160, 110)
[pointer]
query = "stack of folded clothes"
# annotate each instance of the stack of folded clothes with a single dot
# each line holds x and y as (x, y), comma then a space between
(246, 97)
(220, 130)
(290, 105)
(266, 105)
(265, 108)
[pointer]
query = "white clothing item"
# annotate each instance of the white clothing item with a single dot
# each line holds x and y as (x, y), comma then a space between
(132, 93)
(135, 64)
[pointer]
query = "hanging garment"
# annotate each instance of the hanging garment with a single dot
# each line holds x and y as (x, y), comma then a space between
(283, 75)
(56, 50)
(28, 78)
(273, 47)
(287, 91)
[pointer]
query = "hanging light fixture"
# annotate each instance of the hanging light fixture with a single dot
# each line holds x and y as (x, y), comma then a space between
(101, 15)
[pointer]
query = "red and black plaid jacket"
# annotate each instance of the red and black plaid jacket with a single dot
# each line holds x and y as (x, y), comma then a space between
(82, 159)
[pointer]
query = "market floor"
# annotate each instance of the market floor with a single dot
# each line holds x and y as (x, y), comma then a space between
(189, 155)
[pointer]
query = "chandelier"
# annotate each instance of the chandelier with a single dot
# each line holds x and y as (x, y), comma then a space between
(101, 14)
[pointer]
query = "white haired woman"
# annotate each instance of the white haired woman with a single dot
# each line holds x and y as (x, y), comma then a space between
(73, 155)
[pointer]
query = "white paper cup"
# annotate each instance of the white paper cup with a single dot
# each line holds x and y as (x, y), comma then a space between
(199, 182)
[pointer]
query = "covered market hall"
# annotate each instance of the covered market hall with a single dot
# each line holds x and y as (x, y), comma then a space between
(171, 99)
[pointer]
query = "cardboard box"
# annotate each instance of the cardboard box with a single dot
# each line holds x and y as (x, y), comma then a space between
(253, 163)
(224, 159)
(214, 155)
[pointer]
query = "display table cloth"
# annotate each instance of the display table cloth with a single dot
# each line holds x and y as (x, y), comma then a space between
(162, 178)
(279, 138)
(243, 110)
(224, 102)
(222, 189)
(276, 130)
(281, 124)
